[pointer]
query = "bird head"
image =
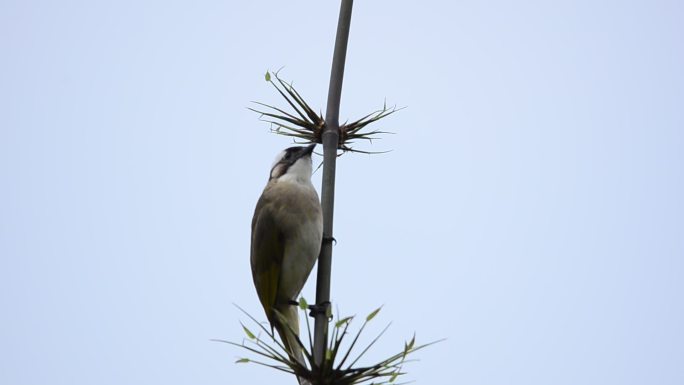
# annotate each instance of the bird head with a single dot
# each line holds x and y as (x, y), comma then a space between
(293, 163)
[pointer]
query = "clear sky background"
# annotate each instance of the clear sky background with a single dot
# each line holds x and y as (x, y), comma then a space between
(530, 212)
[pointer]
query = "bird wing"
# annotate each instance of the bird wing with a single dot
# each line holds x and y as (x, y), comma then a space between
(268, 246)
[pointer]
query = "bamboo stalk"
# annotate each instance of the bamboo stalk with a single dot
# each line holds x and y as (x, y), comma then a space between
(330, 139)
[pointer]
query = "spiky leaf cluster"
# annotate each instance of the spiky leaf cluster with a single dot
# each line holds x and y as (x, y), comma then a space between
(340, 364)
(306, 126)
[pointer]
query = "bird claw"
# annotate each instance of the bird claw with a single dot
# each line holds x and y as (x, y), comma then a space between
(330, 239)
(320, 308)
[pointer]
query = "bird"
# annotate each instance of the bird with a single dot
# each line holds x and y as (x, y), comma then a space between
(287, 231)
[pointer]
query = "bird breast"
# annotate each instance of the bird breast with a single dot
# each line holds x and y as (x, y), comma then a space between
(299, 218)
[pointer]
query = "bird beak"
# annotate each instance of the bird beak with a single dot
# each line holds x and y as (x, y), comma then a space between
(309, 149)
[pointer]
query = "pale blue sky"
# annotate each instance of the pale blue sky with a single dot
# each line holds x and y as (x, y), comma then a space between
(530, 211)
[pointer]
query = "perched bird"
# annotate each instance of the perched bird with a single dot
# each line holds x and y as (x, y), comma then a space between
(287, 229)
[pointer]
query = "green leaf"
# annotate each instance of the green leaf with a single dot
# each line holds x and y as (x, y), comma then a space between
(267, 76)
(302, 303)
(373, 314)
(343, 321)
(411, 343)
(328, 354)
(249, 333)
(242, 361)
(394, 377)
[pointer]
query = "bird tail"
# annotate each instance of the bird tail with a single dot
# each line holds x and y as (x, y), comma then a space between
(287, 326)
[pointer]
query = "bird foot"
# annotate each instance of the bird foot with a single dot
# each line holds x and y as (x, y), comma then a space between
(320, 308)
(330, 239)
